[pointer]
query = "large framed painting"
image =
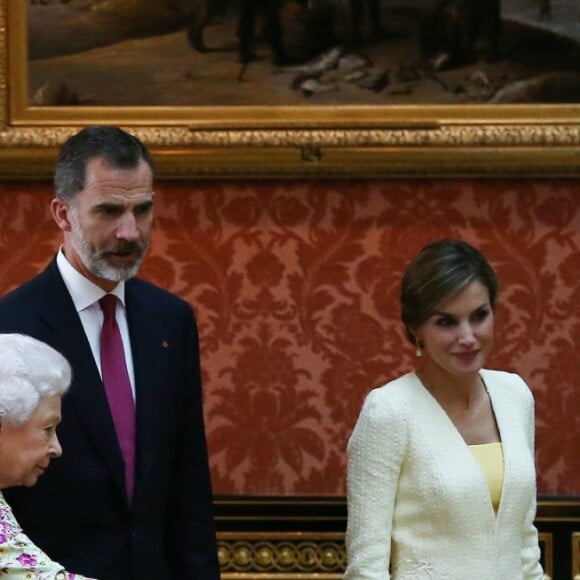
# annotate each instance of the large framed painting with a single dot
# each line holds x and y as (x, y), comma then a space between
(298, 87)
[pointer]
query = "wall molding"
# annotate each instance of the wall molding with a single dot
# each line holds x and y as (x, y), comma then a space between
(281, 555)
(302, 538)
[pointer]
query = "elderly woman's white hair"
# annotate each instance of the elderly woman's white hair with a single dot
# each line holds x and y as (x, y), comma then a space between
(30, 371)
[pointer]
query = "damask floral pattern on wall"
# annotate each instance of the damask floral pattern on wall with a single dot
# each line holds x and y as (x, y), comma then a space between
(296, 290)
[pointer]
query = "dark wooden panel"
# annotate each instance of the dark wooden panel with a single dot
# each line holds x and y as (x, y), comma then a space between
(288, 538)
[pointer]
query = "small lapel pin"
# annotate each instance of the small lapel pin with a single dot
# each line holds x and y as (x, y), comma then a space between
(164, 344)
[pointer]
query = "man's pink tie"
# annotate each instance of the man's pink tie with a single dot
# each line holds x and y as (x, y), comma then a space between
(118, 387)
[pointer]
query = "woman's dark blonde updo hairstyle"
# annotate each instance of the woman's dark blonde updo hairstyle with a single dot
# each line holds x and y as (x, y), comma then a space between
(439, 272)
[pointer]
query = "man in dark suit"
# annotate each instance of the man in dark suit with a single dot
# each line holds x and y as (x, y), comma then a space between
(87, 512)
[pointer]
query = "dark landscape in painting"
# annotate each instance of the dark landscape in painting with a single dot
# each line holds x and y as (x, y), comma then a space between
(323, 52)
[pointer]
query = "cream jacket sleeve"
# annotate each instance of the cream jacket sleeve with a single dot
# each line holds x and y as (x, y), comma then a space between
(376, 451)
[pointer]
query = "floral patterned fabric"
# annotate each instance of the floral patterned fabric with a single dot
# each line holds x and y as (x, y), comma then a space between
(20, 559)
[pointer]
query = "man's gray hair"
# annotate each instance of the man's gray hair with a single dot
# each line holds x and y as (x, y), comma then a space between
(30, 371)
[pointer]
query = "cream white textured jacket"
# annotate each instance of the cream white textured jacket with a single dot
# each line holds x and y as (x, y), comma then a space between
(418, 504)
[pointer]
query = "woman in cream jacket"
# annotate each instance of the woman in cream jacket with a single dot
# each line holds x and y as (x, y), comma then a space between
(441, 477)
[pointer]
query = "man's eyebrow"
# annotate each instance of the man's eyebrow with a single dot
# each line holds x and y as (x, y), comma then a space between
(113, 204)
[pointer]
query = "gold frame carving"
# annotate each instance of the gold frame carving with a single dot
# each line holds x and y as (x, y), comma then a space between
(341, 141)
(281, 555)
(321, 555)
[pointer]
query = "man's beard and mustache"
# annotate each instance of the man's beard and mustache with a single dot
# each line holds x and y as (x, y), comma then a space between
(96, 260)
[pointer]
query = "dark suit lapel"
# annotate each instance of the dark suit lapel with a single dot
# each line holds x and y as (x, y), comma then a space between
(149, 349)
(86, 396)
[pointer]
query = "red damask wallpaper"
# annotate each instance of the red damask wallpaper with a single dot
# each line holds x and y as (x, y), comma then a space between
(295, 285)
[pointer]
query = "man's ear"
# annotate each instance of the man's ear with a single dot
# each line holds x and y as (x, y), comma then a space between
(60, 211)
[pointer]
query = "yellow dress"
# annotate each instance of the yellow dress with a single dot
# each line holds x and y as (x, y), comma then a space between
(490, 458)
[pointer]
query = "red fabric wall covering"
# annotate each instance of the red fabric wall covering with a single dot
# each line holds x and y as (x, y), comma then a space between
(296, 284)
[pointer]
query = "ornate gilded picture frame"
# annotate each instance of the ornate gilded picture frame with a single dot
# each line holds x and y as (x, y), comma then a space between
(288, 141)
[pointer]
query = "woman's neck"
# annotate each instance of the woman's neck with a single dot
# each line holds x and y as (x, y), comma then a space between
(451, 390)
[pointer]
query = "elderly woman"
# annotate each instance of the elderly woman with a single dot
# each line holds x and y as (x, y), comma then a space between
(441, 476)
(33, 379)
